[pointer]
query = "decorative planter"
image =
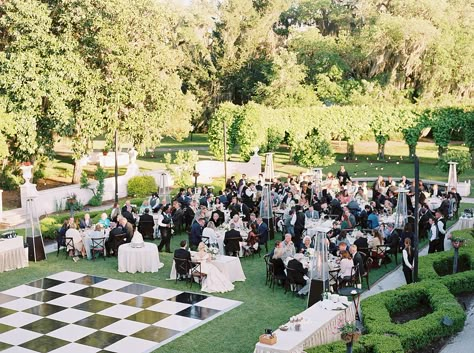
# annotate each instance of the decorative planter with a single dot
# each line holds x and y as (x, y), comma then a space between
(350, 337)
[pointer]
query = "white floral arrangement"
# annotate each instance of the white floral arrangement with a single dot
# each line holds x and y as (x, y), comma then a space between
(309, 252)
(226, 226)
(212, 250)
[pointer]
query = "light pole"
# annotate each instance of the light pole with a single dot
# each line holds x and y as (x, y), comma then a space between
(116, 165)
(417, 201)
(225, 154)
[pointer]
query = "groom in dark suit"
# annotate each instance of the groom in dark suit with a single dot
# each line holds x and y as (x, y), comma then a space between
(181, 255)
(231, 240)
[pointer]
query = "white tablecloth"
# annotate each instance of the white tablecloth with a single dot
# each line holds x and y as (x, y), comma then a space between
(229, 266)
(433, 203)
(146, 259)
(320, 326)
(220, 236)
(86, 240)
(12, 254)
(313, 227)
(466, 223)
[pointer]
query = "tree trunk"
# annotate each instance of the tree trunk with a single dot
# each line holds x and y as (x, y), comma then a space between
(412, 151)
(381, 150)
(441, 151)
(77, 172)
(350, 151)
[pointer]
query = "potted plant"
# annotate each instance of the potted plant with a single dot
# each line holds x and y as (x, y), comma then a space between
(105, 151)
(349, 332)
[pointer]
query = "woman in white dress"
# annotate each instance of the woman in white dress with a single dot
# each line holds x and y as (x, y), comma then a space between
(237, 222)
(210, 232)
(214, 281)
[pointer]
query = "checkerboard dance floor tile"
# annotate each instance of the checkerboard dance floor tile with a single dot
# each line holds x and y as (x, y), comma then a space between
(71, 312)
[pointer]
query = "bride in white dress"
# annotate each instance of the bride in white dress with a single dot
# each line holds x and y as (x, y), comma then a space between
(214, 281)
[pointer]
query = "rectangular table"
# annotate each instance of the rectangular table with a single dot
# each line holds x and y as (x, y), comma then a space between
(320, 326)
(12, 254)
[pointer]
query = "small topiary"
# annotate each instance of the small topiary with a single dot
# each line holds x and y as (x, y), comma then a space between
(141, 186)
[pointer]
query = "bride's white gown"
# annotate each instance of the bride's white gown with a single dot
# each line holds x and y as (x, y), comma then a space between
(214, 281)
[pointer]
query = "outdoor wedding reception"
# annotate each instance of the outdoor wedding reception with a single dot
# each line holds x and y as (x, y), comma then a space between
(238, 176)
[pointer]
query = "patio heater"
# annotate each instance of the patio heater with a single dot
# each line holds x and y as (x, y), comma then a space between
(164, 188)
(266, 204)
(319, 270)
(401, 215)
(316, 183)
(452, 176)
(34, 238)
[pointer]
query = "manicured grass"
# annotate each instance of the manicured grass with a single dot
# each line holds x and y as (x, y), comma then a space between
(236, 331)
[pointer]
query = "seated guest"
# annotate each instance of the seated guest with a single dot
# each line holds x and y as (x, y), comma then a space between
(183, 254)
(218, 217)
(335, 231)
(346, 266)
(232, 239)
(104, 220)
(252, 239)
(341, 247)
(311, 213)
(237, 222)
(127, 227)
(377, 254)
(115, 212)
(342, 238)
(196, 233)
(288, 247)
(277, 245)
(361, 242)
(297, 273)
(210, 232)
(146, 223)
(127, 207)
(306, 245)
(373, 219)
(348, 220)
(73, 233)
(128, 215)
(252, 220)
(86, 222)
(145, 206)
(110, 244)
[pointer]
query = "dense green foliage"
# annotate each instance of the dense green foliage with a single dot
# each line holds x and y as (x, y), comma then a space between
(414, 334)
(367, 344)
(141, 186)
(463, 158)
(100, 175)
(182, 166)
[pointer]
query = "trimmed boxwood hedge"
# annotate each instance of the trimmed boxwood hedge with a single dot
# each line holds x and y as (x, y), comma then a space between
(462, 282)
(434, 265)
(413, 334)
(367, 344)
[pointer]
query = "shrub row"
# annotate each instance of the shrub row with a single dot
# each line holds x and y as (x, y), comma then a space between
(414, 334)
(434, 265)
(367, 344)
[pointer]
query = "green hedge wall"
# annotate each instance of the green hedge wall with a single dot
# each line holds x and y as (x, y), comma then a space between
(367, 344)
(443, 261)
(414, 334)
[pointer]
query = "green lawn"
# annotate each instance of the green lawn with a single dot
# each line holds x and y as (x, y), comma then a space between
(235, 331)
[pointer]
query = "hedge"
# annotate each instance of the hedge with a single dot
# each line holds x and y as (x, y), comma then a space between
(367, 344)
(414, 334)
(432, 265)
(141, 186)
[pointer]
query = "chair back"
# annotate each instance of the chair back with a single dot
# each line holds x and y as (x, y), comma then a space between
(206, 240)
(146, 228)
(182, 266)
(98, 244)
(232, 245)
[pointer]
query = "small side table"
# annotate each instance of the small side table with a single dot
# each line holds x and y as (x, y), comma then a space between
(355, 293)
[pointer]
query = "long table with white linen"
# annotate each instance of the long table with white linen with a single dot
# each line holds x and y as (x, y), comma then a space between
(320, 326)
(12, 254)
(229, 266)
(145, 259)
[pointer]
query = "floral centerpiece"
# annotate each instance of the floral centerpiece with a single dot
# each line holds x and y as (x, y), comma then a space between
(212, 251)
(309, 252)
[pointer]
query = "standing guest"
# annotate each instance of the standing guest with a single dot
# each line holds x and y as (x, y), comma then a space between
(299, 224)
(408, 263)
(262, 229)
(433, 236)
(196, 233)
(343, 176)
(86, 222)
(104, 220)
(154, 202)
(231, 184)
(165, 223)
(358, 260)
(441, 225)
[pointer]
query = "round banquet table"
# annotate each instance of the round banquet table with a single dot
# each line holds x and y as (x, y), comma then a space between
(146, 259)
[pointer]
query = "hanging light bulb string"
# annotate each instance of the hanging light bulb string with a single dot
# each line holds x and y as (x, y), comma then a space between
(373, 165)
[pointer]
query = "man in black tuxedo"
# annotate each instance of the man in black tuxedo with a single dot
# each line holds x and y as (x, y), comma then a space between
(110, 243)
(146, 224)
(236, 207)
(358, 260)
(297, 273)
(231, 240)
(181, 256)
(165, 223)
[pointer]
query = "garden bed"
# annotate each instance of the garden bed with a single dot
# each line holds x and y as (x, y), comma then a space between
(420, 310)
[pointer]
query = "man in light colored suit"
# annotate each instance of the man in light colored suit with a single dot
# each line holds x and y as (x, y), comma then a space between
(311, 213)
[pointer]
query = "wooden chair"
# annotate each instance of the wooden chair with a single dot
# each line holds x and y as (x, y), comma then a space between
(196, 272)
(206, 241)
(333, 279)
(118, 239)
(182, 267)
(368, 264)
(269, 269)
(147, 229)
(69, 243)
(232, 246)
(352, 280)
(382, 252)
(98, 246)
(276, 277)
(290, 283)
(61, 242)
